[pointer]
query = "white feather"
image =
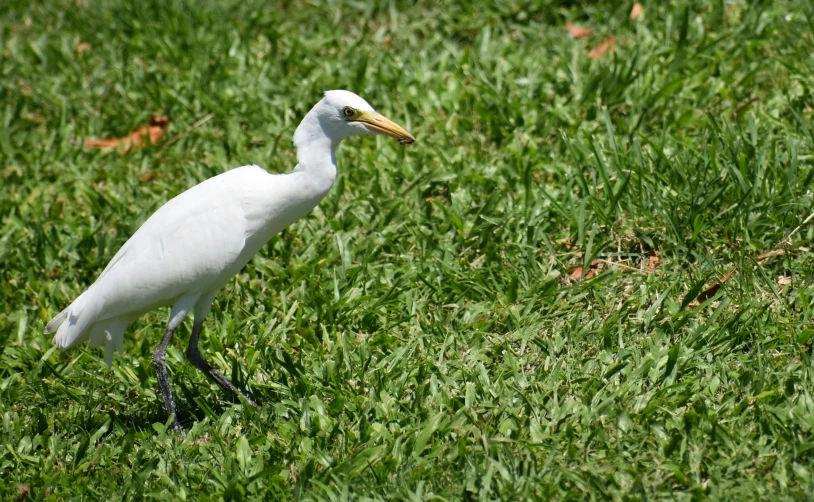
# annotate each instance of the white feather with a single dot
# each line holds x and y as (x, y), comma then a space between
(190, 248)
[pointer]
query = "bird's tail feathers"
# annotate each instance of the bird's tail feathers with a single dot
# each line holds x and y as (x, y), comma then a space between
(57, 321)
(70, 326)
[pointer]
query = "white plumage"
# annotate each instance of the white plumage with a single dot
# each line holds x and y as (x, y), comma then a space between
(186, 251)
(192, 246)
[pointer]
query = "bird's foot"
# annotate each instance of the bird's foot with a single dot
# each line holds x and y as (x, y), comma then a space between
(175, 426)
(249, 399)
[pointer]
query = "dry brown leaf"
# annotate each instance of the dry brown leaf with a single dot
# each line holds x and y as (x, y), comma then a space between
(653, 261)
(148, 177)
(536, 177)
(35, 117)
(606, 46)
(579, 271)
(201, 440)
(592, 270)
(783, 281)
(24, 491)
(710, 291)
(577, 32)
(83, 47)
(568, 245)
(637, 11)
(136, 139)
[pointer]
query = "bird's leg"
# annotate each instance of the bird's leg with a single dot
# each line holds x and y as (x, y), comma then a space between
(195, 357)
(160, 365)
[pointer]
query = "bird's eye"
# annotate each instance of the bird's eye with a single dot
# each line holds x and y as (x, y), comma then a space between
(348, 111)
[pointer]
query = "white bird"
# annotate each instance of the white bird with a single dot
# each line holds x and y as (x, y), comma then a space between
(192, 246)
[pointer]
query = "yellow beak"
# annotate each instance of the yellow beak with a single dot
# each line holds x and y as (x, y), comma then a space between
(378, 123)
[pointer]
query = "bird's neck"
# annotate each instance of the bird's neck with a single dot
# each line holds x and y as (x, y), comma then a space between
(316, 153)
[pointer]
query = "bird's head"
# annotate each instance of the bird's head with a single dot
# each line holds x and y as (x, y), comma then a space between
(343, 113)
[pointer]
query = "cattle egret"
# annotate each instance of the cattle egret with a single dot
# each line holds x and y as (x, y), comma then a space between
(190, 248)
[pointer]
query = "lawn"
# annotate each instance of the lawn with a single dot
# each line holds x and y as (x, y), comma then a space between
(590, 278)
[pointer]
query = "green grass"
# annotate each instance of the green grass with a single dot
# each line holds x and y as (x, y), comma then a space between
(419, 335)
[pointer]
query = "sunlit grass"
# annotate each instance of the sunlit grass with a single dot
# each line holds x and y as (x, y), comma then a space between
(423, 333)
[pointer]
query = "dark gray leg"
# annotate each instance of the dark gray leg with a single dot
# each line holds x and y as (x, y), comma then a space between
(160, 365)
(195, 357)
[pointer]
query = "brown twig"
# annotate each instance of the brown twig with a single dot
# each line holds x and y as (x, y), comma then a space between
(801, 225)
(737, 111)
(777, 251)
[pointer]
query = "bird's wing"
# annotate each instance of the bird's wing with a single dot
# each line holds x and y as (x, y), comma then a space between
(192, 244)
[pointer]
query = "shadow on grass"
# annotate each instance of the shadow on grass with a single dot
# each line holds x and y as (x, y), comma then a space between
(191, 407)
